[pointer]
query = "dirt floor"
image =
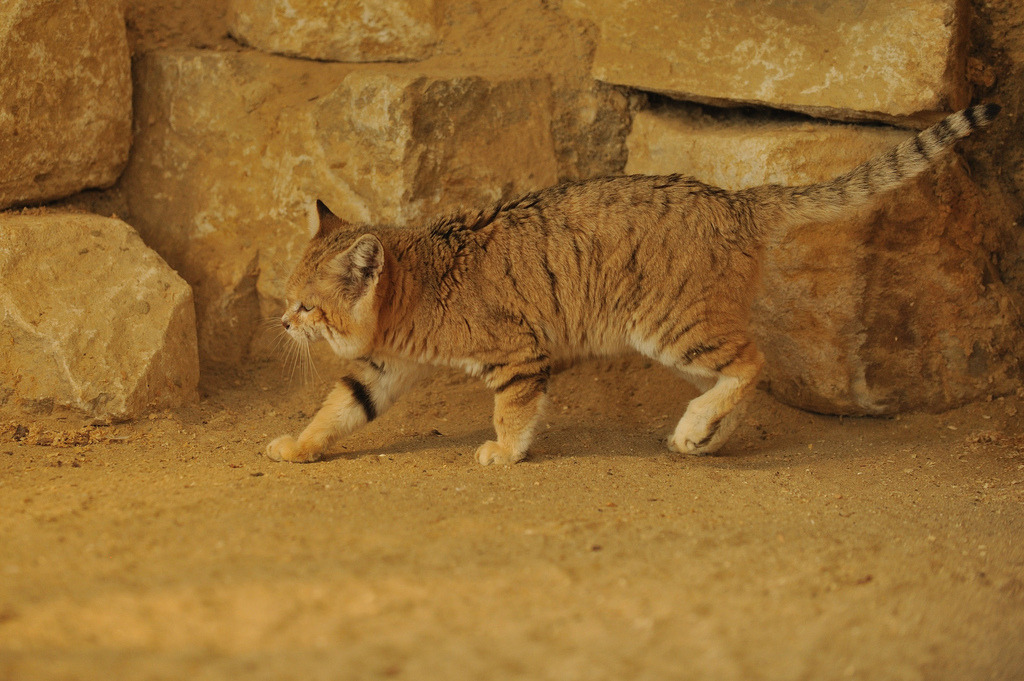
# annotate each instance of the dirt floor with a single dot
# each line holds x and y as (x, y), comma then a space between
(813, 548)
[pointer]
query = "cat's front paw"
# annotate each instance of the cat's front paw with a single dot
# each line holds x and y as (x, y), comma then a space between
(282, 448)
(491, 452)
(286, 448)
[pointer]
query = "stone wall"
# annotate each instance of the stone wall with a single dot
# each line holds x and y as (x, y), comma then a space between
(996, 69)
(244, 112)
(65, 98)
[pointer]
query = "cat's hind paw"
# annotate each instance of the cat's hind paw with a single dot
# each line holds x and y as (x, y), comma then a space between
(694, 435)
(286, 448)
(492, 452)
(689, 446)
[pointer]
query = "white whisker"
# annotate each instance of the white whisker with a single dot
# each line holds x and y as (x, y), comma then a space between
(292, 359)
(312, 365)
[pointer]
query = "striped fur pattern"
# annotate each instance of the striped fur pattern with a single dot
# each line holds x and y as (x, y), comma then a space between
(821, 202)
(666, 266)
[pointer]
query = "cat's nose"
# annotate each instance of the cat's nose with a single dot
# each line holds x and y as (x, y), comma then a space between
(285, 324)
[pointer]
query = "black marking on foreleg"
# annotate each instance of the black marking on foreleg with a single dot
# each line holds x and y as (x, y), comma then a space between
(362, 396)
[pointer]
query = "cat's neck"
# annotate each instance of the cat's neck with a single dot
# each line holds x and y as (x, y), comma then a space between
(398, 294)
(415, 276)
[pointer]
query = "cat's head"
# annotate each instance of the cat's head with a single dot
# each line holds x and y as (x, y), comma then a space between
(331, 293)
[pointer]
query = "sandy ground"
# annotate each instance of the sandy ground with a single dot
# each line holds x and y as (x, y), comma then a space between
(813, 548)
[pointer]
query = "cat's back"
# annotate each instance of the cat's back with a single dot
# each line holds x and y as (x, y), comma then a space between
(633, 221)
(608, 204)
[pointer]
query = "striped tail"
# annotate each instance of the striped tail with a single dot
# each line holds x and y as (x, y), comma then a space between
(829, 200)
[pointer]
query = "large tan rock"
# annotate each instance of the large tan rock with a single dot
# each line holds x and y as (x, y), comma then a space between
(232, 148)
(91, 319)
(892, 308)
(590, 126)
(338, 30)
(65, 98)
(590, 120)
(848, 60)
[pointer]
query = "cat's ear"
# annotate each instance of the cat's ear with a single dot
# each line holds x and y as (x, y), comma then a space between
(357, 269)
(321, 220)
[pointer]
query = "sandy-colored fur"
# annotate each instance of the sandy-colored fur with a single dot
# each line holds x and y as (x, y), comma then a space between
(665, 266)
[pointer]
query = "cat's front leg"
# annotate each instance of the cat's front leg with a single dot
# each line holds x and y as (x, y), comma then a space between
(357, 399)
(519, 394)
(348, 407)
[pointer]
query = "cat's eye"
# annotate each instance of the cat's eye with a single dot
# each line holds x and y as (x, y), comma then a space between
(302, 306)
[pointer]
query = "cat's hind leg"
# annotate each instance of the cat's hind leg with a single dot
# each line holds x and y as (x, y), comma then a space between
(519, 394)
(357, 399)
(729, 369)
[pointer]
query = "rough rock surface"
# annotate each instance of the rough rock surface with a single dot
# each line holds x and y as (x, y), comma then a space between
(91, 319)
(350, 31)
(893, 308)
(232, 148)
(842, 60)
(997, 162)
(154, 24)
(65, 98)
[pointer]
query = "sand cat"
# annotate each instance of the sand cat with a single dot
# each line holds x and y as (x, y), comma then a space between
(666, 266)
